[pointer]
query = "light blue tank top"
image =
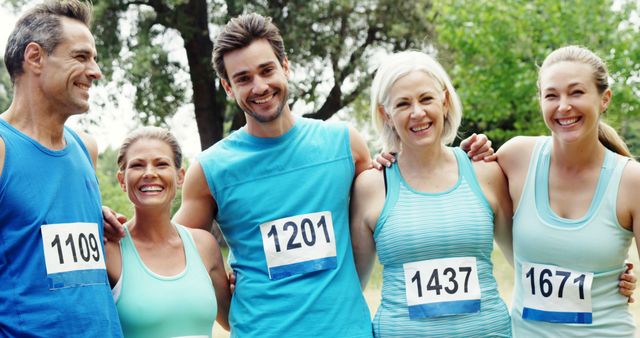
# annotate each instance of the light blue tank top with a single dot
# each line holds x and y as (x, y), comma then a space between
(595, 243)
(51, 189)
(151, 305)
(416, 226)
(306, 173)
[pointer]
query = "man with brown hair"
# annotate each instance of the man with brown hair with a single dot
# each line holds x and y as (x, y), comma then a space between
(279, 188)
(52, 270)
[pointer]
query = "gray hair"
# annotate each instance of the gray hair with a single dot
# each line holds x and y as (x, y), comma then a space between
(41, 25)
(397, 66)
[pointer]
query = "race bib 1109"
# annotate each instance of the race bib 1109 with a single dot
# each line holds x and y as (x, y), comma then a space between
(72, 247)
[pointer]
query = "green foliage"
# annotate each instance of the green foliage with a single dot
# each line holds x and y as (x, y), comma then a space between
(491, 49)
(112, 194)
(6, 89)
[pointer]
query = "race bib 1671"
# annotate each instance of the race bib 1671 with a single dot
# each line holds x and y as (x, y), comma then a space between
(299, 244)
(555, 294)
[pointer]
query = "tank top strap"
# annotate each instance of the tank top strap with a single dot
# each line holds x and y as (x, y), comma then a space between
(527, 196)
(615, 168)
(189, 244)
(393, 179)
(468, 174)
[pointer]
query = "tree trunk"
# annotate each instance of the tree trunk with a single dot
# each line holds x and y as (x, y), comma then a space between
(208, 108)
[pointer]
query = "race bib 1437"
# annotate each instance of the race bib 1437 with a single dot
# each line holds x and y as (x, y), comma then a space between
(299, 244)
(442, 287)
(555, 294)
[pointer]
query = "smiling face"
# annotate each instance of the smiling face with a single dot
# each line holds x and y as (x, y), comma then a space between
(150, 177)
(257, 81)
(69, 71)
(570, 102)
(417, 109)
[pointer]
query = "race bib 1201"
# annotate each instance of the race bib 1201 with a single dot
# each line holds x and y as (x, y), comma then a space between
(299, 244)
(555, 294)
(72, 247)
(442, 287)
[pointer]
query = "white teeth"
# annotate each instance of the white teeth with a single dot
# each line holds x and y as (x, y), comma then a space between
(568, 121)
(266, 99)
(420, 128)
(150, 188)
(83, 86)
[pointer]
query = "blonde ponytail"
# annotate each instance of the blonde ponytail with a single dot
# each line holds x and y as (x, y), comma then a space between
(611, 140)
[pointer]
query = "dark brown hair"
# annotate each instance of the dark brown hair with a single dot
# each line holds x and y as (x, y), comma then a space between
(239, 33)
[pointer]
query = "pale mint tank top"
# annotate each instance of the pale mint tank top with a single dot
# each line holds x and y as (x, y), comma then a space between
(151, 305)
(594, 243)
(416, 226)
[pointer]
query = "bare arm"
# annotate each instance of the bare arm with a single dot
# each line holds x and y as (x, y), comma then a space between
(91, 145)
(113, 257)
(359, 151)
(367, 201)
(494, 187)
(198, 207)
(514, 157)
(212, 259)
(628, 212)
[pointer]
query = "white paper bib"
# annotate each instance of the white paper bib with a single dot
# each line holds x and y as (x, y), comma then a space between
(72, 247)
(299, 244)
(555, 294)
(442, 287)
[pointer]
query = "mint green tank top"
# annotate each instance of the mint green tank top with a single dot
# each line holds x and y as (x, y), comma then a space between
(151, 305)
(555, 258)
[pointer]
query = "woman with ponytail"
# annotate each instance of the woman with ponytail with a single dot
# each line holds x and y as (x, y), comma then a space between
(575, 205)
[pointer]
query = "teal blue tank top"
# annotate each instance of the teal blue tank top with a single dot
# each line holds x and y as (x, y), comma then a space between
(416, 226)
(283, 207)
(556, 259)
(151, 305)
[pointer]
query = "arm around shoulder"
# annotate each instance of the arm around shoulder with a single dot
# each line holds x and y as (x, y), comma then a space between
(198, 207)
(359, 151)
(495, 188)
(367, 202)
(211, 256)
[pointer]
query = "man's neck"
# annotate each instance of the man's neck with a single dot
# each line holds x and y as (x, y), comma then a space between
(275, 128)
(36, 120)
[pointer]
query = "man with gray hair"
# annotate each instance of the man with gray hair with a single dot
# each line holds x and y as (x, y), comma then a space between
(52, 266)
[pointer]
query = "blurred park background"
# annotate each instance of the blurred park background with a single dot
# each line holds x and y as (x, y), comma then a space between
(156, 60)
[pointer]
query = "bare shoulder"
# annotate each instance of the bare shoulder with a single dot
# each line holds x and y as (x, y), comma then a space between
(629, 190)
(487, 171)
(204, 240)
(514, 155)
(369, 181)
(207, 247)
(90, 143)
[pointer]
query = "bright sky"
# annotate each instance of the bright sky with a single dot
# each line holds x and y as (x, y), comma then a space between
(115, 122)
